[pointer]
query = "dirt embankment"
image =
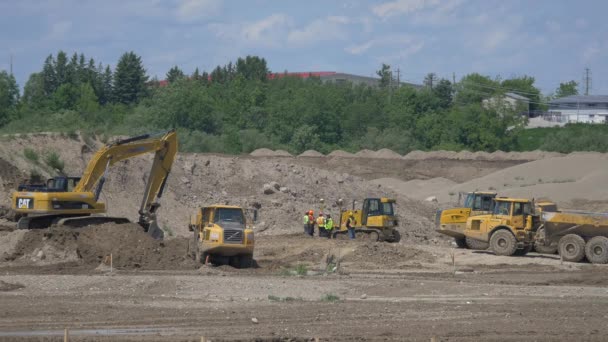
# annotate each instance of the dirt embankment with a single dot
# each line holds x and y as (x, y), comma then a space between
(128, 245)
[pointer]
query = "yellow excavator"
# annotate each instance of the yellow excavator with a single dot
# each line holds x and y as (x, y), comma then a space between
(74, 201)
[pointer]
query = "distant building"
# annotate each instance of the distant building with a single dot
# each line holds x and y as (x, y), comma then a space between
(580, 109)
(515, 101)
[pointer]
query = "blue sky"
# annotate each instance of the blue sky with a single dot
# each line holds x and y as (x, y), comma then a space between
(551, 40)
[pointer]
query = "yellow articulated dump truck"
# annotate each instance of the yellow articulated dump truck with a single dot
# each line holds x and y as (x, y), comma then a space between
(578, 235)
(223, 235)
(453, 221)
(376, 220)
(511, 227)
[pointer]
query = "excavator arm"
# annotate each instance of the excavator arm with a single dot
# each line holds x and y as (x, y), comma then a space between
(165, 147)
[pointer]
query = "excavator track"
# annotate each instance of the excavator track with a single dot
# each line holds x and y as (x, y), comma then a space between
(46, 221)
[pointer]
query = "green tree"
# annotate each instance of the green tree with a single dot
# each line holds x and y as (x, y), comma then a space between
(474, 88)
(385, 75)
(175, 74)
(567, 89)
(252, 68)
(9, 96)
(305, 138)
(65, 97)
(430, 80)
(34, 94)
(49, 76)
(443, 90)
(107, 88)
(524, 86)
(87, 102)
(61, 69)
(129, 79)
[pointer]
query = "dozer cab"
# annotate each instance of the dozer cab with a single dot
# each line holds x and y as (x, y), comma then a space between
(74, 201)
(223, 234)
(452, 221)
(375, 221)
(510, 228)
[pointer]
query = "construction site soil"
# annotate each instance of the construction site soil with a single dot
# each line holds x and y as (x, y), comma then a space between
(114, 283)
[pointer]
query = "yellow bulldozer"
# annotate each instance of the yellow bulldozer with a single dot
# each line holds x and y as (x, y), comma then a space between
(511, 227)
(376, 220)
(223, 234)
(74, 201)
(452, 221)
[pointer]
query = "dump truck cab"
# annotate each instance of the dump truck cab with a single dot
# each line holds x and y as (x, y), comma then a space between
(509, 229)
(452, 221)
(223, 234)
(375, 220)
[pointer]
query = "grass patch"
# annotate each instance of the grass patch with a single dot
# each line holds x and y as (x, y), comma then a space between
(330, 297)
(284, 299)
(301, 269)
(72, 134)
(31, 155)
(53, 160)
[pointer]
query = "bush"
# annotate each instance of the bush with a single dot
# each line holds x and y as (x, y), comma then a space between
(53, 160)
(329, 297)
(301, 269)
(31, 155)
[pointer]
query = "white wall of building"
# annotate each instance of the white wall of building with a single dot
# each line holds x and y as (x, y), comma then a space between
(582, 115)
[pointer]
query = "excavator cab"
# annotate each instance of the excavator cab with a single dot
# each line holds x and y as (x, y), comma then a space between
(55, 184)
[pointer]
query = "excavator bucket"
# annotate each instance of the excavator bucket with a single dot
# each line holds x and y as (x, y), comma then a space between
(155, 231)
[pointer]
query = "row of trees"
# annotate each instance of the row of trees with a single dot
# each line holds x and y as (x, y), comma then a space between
(237, 107)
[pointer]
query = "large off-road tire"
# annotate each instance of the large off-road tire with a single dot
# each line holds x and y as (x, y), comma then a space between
(461, 242)
(539, 243)
(503, 242)
(572, 248)
(396, 236)
(246, 261)
(596, 250)
(524, 251)
(476, 244)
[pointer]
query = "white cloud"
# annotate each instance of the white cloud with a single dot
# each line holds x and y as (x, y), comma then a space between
(398, 7)
(59, 30)
(190, 10)
(590, 52)
(400, 47)
(263, 30)
(326, 29)
(494, 39)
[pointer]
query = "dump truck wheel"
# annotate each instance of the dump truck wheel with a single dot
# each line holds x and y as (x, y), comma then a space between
(245, 261)
(596, 250)
(539, 243)
(503, 243)
(572, 248)
(461, 242)
(476, 244)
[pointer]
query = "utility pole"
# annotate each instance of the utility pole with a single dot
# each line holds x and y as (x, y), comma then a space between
(587, 81)
(453, 78)
(11, 63)
(398, 79)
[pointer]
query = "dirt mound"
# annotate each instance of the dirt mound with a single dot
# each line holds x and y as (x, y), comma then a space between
(388, 255)
(417, 188)
(341, 154)
(311, 153)
(386, 153)
(282, 153)
(365, 153)
(262, 152)
(128, 244)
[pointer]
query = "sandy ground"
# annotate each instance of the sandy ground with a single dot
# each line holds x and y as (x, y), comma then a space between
(418, 296)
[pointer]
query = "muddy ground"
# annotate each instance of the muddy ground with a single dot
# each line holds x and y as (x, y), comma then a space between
(368, 291)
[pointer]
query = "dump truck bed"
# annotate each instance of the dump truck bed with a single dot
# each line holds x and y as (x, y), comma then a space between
(585, 224)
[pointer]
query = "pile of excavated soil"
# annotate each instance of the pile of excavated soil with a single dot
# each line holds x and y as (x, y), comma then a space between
(481, 155)
(389, 255)
(262, 152)
(417, 188)
(561, 179)
(386, 153)
(311, 153)
(282, 153)
(128, 244)
(366, 153)
(341, 154)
